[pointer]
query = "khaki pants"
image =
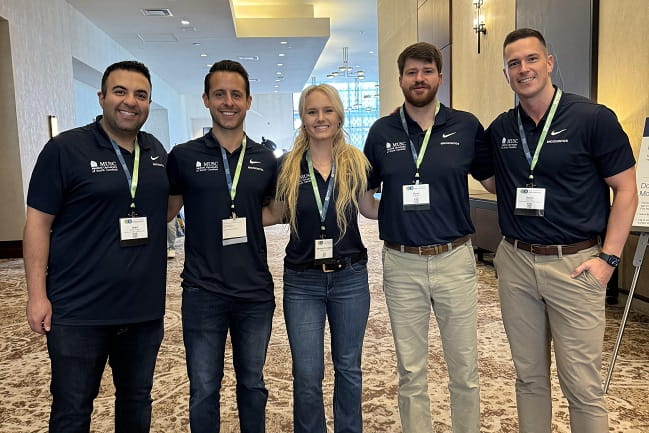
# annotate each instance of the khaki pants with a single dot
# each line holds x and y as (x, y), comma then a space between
(447, 283)
(540, 303)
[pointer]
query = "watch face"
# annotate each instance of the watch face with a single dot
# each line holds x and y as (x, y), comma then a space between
(613, 261)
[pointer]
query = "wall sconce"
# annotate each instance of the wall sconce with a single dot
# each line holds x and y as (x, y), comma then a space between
(54, 125)
(478, 21)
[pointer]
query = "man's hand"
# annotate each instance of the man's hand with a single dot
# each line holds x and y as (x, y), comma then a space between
(601, 270)
(39, 314)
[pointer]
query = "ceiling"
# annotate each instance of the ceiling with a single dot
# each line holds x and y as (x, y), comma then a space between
(310, 33)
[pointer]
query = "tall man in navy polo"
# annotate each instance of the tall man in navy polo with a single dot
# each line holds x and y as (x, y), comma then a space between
(557, 155)
(224, 179)
(95, 263)
(422, 154)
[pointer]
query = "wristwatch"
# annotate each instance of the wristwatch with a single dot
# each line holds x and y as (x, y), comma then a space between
(610, 259)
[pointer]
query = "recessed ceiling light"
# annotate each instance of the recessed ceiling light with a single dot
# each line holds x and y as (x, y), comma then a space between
(196, 44)
(253, 80)
(278, 73)
(203, 55)
(157, 12)
(280, 64)
(276, 86)
(185, 22)
(283, 42)
(281, 54)
(278, 79)
(248, 57)
(275, 91)
(330, 75)
(371, 52)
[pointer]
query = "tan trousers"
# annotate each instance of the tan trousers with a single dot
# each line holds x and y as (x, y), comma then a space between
(447, 283)
(540, 303)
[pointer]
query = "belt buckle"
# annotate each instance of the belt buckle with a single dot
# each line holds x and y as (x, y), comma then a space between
(324, 268)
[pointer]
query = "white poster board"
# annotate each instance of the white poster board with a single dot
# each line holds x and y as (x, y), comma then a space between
(641, 220)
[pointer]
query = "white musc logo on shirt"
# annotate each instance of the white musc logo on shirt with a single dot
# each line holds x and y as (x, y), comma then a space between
(204, 166)
(103, 166)
(398, 146)
(509, 143)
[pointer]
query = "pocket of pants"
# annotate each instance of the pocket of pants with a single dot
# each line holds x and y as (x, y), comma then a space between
(594, 281)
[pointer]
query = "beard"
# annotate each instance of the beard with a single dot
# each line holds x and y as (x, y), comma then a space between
(421, 100)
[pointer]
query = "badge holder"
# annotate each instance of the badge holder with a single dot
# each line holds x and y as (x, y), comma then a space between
(234, 230)
(416, 197)
(133, 230)
(530, 201)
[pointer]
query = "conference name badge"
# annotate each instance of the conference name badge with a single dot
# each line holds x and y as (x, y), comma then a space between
(324, 248)
(133, 231)
(416, 197)
(234, 231)
(530, 201)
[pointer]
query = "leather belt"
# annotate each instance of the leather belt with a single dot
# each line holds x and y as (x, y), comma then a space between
(329, 265)
(552, 250)
(429, 250)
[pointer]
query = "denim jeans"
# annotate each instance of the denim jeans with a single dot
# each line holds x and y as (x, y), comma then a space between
(78, 356)
(343, 297)
(206, 319)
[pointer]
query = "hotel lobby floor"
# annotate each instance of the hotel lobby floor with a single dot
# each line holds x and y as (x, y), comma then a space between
(24, 365)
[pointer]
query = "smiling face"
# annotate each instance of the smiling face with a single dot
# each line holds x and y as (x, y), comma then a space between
(528, 67)
(227, 100)
(125, 103)
(419, 82)
(320, 119)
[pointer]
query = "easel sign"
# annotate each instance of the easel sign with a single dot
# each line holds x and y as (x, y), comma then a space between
(640, 224)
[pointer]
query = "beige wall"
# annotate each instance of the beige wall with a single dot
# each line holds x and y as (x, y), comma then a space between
(397, 28)
(623, 78)
(478, 82)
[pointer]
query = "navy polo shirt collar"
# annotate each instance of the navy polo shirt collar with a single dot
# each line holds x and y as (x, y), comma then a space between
(104, 139)
(211, 141)
(527, 120)
(414, 127)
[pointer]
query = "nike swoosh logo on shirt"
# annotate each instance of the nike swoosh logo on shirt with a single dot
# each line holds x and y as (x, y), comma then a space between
(448, 135)
(557, 132)
(252, 161)
(153, 158)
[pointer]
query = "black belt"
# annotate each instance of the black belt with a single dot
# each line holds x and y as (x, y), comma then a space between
(429, 250)
(329, 265)
(552, 250)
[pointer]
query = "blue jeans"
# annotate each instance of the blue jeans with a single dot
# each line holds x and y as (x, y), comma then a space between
(310, 297)
(78, 355)
(206, 320)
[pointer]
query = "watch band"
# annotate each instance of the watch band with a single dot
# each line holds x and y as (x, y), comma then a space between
(611, 259)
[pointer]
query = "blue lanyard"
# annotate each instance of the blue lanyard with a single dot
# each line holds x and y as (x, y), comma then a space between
(232, 186)
(132, 181)
(322, 209)
(418, 158)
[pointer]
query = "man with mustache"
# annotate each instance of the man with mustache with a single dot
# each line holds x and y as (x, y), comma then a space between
(422, 154)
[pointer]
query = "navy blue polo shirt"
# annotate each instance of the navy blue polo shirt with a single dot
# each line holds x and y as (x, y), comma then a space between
(91, 279)
(196, 171)
(585, 144)
(300, 249)
(456, 148)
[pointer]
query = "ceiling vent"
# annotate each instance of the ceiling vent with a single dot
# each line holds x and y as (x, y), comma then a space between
(157, 12)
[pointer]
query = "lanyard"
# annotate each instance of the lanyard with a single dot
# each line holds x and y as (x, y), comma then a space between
(546, 127)
(330, 186)
(232, 185)
(418, 158)
(132, 181)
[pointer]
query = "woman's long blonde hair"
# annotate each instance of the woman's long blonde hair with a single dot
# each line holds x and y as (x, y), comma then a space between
(351, 166)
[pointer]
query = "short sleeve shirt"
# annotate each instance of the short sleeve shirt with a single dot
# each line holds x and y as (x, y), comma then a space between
(584, 145)
(456, 148)
(91, 279)
(301, 249)
(196, 171)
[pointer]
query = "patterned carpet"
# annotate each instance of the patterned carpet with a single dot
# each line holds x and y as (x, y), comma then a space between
(24, 365)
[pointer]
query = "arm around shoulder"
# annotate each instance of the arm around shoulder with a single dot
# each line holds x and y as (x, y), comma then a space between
(36, 250)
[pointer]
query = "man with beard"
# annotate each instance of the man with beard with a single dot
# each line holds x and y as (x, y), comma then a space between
(224, 179)
(422, 154)
(95, 263)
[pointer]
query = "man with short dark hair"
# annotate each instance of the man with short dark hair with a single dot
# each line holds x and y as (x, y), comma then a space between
(224, 178)
(94, 247)
(556, 157)
(422, 155)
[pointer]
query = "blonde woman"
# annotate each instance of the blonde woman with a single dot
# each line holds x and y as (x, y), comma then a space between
(321, 182)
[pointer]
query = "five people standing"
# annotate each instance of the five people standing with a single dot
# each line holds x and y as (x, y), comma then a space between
(562, 241)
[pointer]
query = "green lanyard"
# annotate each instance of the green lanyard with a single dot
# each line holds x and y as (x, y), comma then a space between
(232, 184)
(330, 186)
(418, 158)
(132, 181)
(546, 127)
